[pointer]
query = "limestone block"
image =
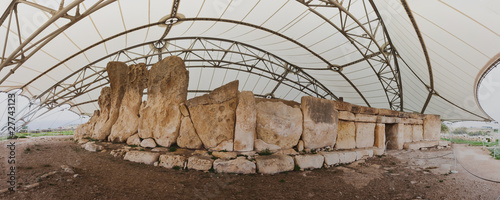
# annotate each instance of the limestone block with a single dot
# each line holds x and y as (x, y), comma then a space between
(320, 122)
(92, 147)
(172, 160)
(366, 118)
(346, 116)
(278, 123)
(404, 115)
(202, 163)
(388, 120)
(346, 138)
(378, 151)
(364, 153)
(224, 155)
(117, 74)
(387, 112)
(187, 135)
(432, 127)
(408, 133)
(127, 123)
(184, 110)
(379, 136)
(416, 115)
(224, 146)
(428, 144)
(395, 135)
(145, 157)
(343, 106)
(309, 161)
(348, 157)
(246, 122)
(418, 133)
(167, 89)
(260, 145)
(331, 158)
(364, 110)
(286, 152)
(134, 140)
(86, 130)
(239, 166)
(273, 164)
(104, 103)
(214, 114)
(412, 145)
(365, 134)
(149, 142)
(300, 146)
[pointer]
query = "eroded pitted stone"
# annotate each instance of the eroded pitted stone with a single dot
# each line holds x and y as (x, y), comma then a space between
(86, 130)
(187, 135)
(239, 166)
(320, 122)
(202, 163)
(432, 127)
(167, 90)
(134, 140)
(171, 160)
(104, 102)
(365, 134)
(279, 123)
(145, 157)
(246, 122)
(346, 138)
(309, 161)
(274, 164)
(214, 114)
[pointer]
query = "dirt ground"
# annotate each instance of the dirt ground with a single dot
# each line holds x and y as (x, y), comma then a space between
(398, 175)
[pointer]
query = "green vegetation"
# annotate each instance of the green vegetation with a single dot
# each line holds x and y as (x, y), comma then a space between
(172, 149)
(265, 152)
(25, 135)
(176, 168)
(495, 153)
(472, 143)
(296, 168)
(444, 128)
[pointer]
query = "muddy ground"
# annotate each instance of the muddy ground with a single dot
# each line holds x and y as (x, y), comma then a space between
(397, 175)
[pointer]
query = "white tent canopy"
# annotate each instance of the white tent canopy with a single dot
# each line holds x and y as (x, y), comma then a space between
(415, 56)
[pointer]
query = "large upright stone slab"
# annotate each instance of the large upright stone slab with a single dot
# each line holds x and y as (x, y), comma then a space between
(365, 134)
(127, 123)
(104, 103)
(418, 133)
(395, 135)
(279, 123)
(346, 138)
(320, 122)
(408, 133)
(214, 114)
(432, 127)
(246, 122)
(117, 74)
(379, 136)
(187, 135)
(86, 130)
(167, 90)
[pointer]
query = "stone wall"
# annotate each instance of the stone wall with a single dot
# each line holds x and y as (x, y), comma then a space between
(314, 133)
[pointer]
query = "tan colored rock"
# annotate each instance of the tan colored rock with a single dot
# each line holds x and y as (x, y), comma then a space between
(238, 166)
(246, 122)
(149, 143)
(331, 158)
(167, 90)
(309, 161)
(412, 145)
(395, 135)
(418, 133)
(365, 134)
(432, 127)
(408, 134)
(300, 146)
(416, 115)
(388, 120)
(343, 106)
(224, 146)
(379, 136)
(92, 147)
(429, 144)
(378, 151)
(274, 164)
(117, 74)
(134, 140)
(104, 103)
(348, 157)
(260, 145)
(86, 130)
(364, 110)
(172, 160)
(214, 114)
(127, 123)
(346, 138)
(145, 157)
(184, 110)
(224, 155)
(387, 112)
(346, 116)
(278, 123)
(201, 163)
(366, 118)
(200, 153)
(444, 143)
(187, 135)
(320, 122)
(291, 152)
(362, 154)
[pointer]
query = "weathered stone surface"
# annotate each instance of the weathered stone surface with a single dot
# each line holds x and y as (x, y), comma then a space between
(343, 106)
(117, 74)
(395, 135)
(104, 102)
(86, 130)
(286, 152)
(134, 140)
(320, 122)
(444, 143)
(366, 118)
(260, 145)
(214, 114)
(167, 89)
(150, 143)
(202, 163)
(309, 161)
(432, 127)
(346, 116)
(412, 121)
(274, 164)
(388, 120)
(416, 115)
(127, 123)
(365, 134)
(184, 110)
(240, 166)
(300, 146)
(246, 122)
(200, 153)
(362, 154)
(418, 133)
(348, 157)
(346, 138)
(92, 147)
(224, 146)
(224, 155)
(364, 110)
(387, 112)
(331, 158)
(412, 145)
(428, 144)
(171, 160)
(379, 136)
(378, 151)
(145, 157)
(187, 135)
(278, 123)
(408, 134)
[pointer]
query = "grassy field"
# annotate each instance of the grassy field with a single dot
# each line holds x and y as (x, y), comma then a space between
(472, 143)
(25, 135)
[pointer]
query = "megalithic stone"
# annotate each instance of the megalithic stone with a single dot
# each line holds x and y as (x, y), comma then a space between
(104, 102)
(160, 116)
(127, 123)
